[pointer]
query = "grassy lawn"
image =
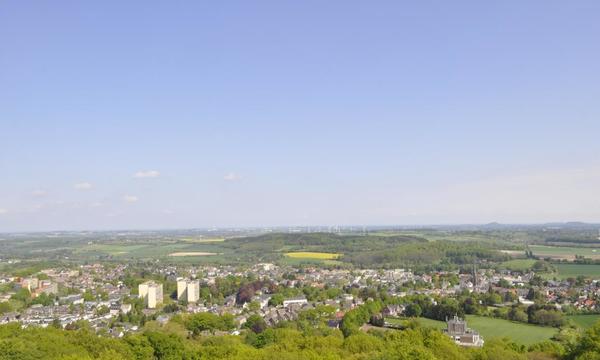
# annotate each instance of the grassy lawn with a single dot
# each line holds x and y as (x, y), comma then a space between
(312, 255)
(584, 321)
(518, 264)
(490, 328)
(518, 332)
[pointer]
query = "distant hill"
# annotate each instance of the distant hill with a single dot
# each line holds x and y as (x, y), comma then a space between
(318, 242)
(371, 250)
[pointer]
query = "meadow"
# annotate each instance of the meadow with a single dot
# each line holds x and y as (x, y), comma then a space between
(521, 333)
(518, 264)
(490, 328)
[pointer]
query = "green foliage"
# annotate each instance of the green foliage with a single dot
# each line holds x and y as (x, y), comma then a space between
(413, 310)
(22, 295)
(276, 300)
(198, 323)
(43, 299)
(255, 323)
(588, 346)
(5, 307)
(414, 342)
(358, 316)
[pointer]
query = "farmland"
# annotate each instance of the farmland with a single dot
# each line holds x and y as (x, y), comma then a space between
(191, 253)
(312, 255)
(564, 252)
(155, 250)
(574, 270)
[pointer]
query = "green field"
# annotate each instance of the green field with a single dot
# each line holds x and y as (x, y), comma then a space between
(491, 328)
(518, 332)
(584, 321)
(564, 252)
(145, 250)
(312, 255)
(574, 270)
(518, 264)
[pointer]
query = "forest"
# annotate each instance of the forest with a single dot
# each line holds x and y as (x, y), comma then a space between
(289, 341)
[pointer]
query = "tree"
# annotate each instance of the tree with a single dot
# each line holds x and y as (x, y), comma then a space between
(517, 314)
(276, 300)
(88, 296)
(200, 322)
(255, 323)
(413, 310)
(22, 295)
(166, 347)
(588, 346)
(254, 306)
(5, 307)
(504, 283)
(102, 310)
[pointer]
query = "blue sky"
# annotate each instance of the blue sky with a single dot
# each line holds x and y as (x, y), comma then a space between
(246, 113)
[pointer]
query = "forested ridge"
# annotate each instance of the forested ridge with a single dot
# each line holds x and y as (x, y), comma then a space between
(374, 250)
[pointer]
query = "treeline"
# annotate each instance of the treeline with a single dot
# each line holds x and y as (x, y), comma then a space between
(275, 343)
(318, 242)
(440, 255)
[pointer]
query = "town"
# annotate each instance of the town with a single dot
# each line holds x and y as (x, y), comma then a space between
(115, 299)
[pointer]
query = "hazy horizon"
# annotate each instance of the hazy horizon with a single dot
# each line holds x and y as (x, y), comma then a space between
(196, 115)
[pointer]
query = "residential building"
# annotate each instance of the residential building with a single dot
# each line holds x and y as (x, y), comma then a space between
(300, 300)
(461, 334)
(152, 293)
(188, 290)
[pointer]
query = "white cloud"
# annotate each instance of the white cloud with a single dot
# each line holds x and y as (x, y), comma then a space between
(130, 198)
(83, 186)
(147, 174)
(231, 177)
(96, 204)
(39, 193)
(3, 211)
